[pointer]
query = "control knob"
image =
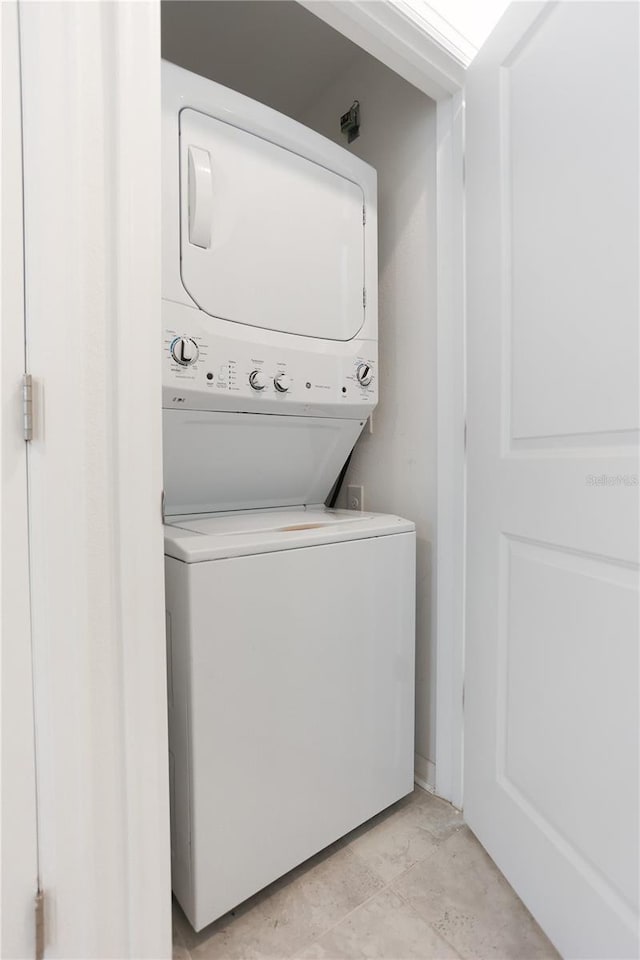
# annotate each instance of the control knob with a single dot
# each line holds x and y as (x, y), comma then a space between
(364, 374)
(184, 351)
(257, 380)
(282, 383)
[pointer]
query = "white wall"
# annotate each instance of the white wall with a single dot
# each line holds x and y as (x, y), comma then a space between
(397, 463)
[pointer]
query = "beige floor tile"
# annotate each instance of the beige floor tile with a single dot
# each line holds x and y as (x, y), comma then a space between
(435, 815)
(463, 895)
(405, 834)
(183, 933)
(393, 845)
(313, 952)
(180, 951)
(384, 928)
(291, 913)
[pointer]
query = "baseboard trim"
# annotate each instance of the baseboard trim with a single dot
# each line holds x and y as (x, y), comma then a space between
(424, 773)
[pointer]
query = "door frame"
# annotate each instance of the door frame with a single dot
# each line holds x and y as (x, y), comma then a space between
(420, 54)
(19, 825)
(92, 268)
(103, 431)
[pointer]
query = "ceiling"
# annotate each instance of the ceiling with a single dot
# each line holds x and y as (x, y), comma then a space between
(274, 51)
(462, 25)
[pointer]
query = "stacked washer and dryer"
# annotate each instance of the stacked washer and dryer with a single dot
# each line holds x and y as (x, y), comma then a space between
(290, 627)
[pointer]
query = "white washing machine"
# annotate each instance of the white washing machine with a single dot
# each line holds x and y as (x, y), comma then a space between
(290, 627)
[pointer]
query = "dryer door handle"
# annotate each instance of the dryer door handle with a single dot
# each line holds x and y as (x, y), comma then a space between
(200, 197)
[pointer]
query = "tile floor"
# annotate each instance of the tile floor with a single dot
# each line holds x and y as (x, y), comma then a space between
(411, 883)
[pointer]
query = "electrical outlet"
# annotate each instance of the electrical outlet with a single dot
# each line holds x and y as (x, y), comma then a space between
(355, 497)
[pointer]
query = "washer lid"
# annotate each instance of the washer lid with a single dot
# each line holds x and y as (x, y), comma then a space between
(235, 535)
(241, 461)
(268, 237)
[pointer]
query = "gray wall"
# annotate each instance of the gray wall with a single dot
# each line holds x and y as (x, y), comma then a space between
(273, 51)
(396, 464)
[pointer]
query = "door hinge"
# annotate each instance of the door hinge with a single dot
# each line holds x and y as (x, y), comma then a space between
(364, 297)
(27, 407)
(39, 921)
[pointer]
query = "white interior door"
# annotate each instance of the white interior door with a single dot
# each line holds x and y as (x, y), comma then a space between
(551, 689)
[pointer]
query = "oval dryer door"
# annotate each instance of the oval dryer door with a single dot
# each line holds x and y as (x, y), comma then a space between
(268, 238)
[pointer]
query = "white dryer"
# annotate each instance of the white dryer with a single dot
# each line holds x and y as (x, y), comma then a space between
(290, 627)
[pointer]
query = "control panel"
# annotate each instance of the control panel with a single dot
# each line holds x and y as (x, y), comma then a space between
(216, 373)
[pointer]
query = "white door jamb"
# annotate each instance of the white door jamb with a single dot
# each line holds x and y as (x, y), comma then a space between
(92, 290)
(19, 882)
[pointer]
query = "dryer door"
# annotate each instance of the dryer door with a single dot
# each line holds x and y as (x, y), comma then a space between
(268, 238)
